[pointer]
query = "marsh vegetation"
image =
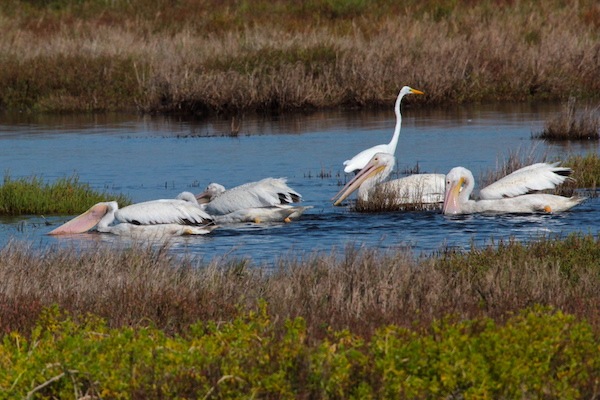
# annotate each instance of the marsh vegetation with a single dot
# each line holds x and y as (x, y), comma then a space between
(65, 196)
(572, 124)
(206, 56)
(359, 289)
(112, 323)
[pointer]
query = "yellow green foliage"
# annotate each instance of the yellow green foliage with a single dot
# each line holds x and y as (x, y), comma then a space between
(540, 353)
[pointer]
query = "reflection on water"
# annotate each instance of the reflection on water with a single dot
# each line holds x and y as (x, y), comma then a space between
(148, 158)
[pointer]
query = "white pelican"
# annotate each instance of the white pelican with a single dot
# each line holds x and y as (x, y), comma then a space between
(267, 200)
(165, 217)
(413, 189)
(460, 183)
(359, 161)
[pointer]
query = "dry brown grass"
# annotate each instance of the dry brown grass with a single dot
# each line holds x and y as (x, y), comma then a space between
(360, 289)
(384, 198)
(203, 56)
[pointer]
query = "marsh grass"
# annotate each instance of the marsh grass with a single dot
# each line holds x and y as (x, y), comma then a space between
(64, 196)
(586, 171)
(207, 56)
(570, 124)
(359, 289)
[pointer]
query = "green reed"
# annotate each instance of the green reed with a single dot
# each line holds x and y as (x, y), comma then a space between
(64, 196)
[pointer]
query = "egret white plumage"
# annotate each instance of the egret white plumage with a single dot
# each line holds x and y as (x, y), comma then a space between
(460, 184)
(413, 189)
(165, 217)
(267, 200)
(359, 161)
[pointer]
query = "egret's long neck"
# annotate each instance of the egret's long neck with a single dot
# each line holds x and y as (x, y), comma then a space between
(394, 142)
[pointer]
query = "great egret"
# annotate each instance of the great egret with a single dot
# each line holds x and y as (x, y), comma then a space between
(359, 161)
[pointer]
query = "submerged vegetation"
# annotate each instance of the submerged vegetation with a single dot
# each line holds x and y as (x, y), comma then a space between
(206, 56)
(64, 196)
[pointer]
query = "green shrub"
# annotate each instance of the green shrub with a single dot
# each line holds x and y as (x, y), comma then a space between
(539, 353)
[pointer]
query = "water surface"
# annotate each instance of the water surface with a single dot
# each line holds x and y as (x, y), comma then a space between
(155, 157)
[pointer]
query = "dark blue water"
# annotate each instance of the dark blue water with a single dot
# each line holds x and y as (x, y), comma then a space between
(148, 158)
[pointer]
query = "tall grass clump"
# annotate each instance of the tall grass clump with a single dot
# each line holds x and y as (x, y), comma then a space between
(384, 198)
(64, 196)
(571, 125)
(514, 160)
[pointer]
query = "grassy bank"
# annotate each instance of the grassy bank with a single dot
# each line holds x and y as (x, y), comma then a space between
(359, 290)
(206, 56)
(503, 321)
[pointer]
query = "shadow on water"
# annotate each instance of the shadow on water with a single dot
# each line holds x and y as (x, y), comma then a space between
(154, 157)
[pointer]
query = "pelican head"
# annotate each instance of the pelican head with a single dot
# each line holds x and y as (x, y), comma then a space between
(459, 185)
(374, 172)
(187, 196)
(211, 191)
(87, 220)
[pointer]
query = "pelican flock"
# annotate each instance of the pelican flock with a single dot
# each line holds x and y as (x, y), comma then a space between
(510, 194)
(359, 161)
(272, 200)
(460, 184)
(268, 200)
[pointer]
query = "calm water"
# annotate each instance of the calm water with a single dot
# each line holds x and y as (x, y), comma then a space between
(148, 158)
